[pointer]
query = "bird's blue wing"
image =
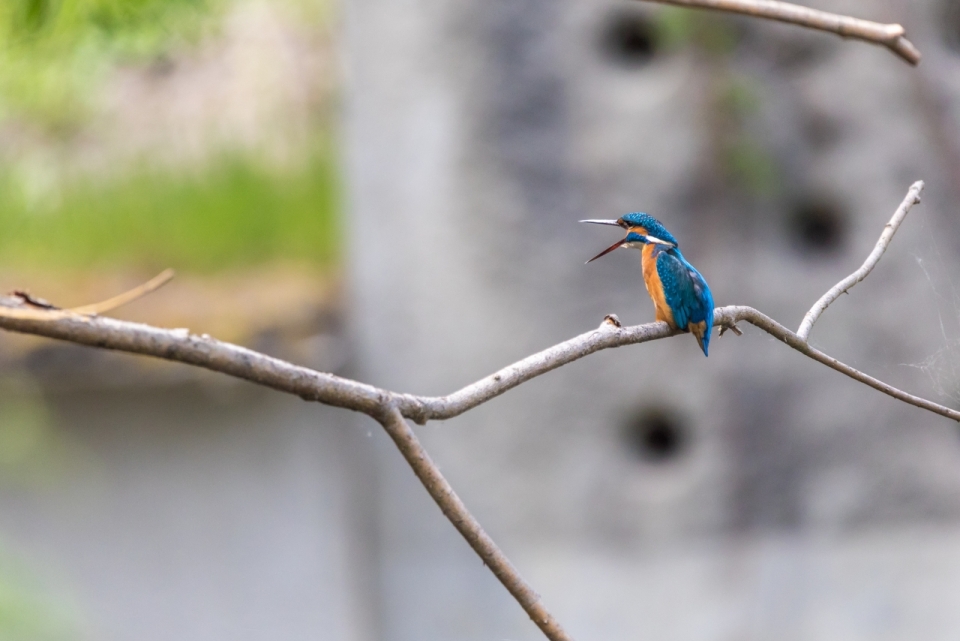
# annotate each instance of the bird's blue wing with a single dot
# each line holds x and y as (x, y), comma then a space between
(686, 292)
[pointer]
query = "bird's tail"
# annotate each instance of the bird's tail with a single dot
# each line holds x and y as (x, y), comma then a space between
(702, 332)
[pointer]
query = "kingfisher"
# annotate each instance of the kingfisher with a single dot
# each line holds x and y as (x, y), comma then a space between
(681, 296)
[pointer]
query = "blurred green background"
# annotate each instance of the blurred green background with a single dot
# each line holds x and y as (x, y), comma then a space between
(226, 205)
(234, 211)
(137, 135)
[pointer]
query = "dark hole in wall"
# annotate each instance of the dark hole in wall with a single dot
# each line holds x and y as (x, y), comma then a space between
(817, 226)
(950, 24)
(628, 39)
(656, 435)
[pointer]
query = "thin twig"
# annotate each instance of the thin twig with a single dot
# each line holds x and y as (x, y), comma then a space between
(42, 311)
(912, 198)
(129, 296)
(887, 35)
(458, 514)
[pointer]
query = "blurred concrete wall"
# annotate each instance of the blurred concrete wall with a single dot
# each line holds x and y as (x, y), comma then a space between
(648, 492)
(195, 513)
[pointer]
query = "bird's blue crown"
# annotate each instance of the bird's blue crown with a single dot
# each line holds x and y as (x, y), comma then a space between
(651, 224)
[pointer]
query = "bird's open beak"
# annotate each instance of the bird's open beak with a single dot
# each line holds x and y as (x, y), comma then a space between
(615, 223)
(595, 221)
(608, 250)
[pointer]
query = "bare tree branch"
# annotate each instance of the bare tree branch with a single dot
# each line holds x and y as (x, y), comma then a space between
(911, 199)
(390, 409)
(608, 335)
(458, 514)
(437, 408)
(181, 346)
(203, 351)
(887, 35)
(735, 313)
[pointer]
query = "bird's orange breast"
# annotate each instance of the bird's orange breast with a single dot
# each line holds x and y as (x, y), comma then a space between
(651, 279)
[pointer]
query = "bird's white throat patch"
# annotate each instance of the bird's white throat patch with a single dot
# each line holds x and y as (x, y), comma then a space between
(654, 239)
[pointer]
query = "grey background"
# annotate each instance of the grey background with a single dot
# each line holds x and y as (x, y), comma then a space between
(797, 505)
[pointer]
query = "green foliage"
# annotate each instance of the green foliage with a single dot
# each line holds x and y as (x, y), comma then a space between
(740, 154)
(235, 211)
(53, 51)
(743, 158)
(751, 168)
(24, 430)
(739, 97)
(708, 33)
(27, 613)
(30, 455)
(32, 451)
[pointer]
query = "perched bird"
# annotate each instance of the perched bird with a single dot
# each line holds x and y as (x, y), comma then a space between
(680, 294)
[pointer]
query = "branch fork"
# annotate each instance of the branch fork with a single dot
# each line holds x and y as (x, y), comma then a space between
(912, 198)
